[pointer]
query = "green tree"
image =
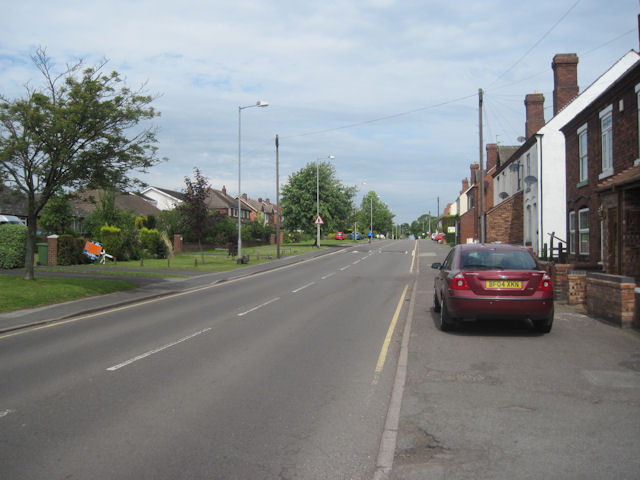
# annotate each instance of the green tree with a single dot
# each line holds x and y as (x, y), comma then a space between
(298, 199)
(195, 206)
(81, 128)
(57, 215)
(373, 210)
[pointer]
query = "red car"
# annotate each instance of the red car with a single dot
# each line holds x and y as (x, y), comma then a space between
(440, 236)
(339, 236)
(491, 281)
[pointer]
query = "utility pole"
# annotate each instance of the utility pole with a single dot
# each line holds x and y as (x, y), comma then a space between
(277, 198)
(481, 179)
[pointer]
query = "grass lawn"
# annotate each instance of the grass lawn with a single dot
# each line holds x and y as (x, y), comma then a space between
(18, 293)
(209, 260)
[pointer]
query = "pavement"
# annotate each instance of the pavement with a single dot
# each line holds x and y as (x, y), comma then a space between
(148, 288)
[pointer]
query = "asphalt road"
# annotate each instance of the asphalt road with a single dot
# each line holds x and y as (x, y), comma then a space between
(278, 375)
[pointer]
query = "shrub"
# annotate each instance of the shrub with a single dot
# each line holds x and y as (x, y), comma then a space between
(70, 250)
(111, 240)
(13, 245)
(152, 242)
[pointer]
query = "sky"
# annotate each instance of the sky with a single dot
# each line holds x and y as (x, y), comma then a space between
(387, 87)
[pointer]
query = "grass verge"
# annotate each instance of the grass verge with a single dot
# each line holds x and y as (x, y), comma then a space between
(18, 293)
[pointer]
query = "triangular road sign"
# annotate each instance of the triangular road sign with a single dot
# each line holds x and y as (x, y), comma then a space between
(318, 221)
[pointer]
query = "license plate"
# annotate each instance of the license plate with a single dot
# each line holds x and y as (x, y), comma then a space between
(504, 284)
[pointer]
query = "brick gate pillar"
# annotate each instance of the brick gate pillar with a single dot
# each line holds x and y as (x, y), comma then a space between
(52, 250)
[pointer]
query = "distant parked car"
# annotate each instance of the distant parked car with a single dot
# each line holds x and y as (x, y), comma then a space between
(492, 281)
(339, 236)
(10, 219)
(440, 236)
(358, 236)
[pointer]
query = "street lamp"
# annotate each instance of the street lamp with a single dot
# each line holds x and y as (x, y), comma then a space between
(257, 104)
(330, 157)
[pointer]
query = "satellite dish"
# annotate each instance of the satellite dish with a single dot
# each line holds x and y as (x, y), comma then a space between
(530, 179)
(503, 195)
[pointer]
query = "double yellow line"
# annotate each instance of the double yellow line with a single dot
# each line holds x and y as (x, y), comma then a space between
(385, 345)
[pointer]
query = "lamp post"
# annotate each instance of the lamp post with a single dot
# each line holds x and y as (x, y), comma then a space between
(257, 104)
(330, 157)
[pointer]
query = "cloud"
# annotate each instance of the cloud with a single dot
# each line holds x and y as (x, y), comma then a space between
(323, 66)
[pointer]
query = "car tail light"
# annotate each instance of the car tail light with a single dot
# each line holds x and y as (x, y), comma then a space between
(545, 284)
(458, 282)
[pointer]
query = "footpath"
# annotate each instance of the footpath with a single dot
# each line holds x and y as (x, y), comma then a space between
(148, 288)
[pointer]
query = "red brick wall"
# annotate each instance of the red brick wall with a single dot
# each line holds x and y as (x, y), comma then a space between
(505, 221)
(611, 297)
(625, 151)
(468, 222)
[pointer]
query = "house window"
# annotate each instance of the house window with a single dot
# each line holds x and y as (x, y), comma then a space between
(572, 232)
(582, 153)
(518, 164)
(583, 231)
(606, 124)
(528, 164)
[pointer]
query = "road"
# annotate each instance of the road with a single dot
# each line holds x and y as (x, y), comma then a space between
(280, 375)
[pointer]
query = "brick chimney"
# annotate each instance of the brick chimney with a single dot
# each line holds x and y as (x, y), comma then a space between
(492, 155)
(534, 107)
(224, 190)
(244, 196)
(475, 172)
(565, 80)
(465, 185)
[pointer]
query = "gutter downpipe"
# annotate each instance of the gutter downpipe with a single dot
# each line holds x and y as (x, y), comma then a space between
(540, 204)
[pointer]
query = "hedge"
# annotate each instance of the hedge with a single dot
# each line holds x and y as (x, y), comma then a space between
(13, 245)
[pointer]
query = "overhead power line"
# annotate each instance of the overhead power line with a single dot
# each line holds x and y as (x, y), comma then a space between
(537, 43)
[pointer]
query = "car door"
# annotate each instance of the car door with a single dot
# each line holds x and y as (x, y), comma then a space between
(442, 277)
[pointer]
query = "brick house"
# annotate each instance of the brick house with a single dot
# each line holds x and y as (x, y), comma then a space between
(603, 179)
(537, 169)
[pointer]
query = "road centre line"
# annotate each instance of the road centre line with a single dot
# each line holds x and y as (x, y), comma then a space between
(344, 268)
(303, 287)
(259, 306)
(328, 275)
(156, 350)
(385, 345)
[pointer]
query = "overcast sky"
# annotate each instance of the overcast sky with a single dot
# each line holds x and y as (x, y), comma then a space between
(387, 87)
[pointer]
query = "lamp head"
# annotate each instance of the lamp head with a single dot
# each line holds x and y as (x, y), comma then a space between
(261, 103)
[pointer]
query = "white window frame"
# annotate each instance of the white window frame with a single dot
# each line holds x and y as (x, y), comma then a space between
(583, 153)
(572, 232)
(606, 136)
(583, 231)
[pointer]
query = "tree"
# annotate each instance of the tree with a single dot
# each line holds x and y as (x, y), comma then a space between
(75, 131)
(298, 199)
(373, 208)
(195, 205)
(57, 215)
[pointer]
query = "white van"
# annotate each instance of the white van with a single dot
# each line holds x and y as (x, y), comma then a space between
(10, 219)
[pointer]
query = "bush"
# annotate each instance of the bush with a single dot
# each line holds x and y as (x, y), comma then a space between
(111, 240)
(13, 245)
(70, 250)
(152, 242)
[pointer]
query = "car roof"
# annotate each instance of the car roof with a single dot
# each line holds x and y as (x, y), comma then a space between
(490, 246)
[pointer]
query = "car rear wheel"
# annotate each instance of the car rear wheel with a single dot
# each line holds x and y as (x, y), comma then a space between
(444, 322)
(544, 325)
